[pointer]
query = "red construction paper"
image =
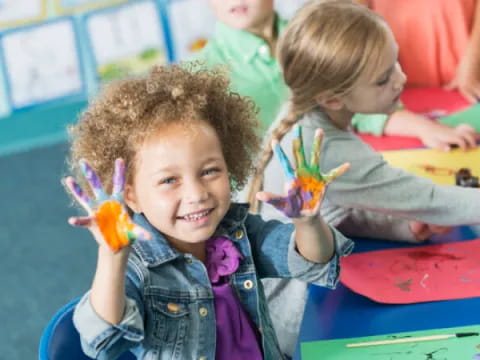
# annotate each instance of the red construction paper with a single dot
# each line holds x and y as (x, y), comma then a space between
(417, 274)
(425, 101)
(384, 143)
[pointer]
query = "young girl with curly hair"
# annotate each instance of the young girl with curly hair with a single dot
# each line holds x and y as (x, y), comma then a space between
(161, 155)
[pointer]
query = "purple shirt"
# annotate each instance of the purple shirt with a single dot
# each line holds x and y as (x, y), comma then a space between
(237, 338)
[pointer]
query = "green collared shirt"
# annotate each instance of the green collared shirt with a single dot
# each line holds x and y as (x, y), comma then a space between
(254, 72)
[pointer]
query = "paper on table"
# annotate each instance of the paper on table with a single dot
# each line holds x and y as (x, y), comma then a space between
(449, 349)
(415, 274)
(391, 142)
(412, 161)
(470, 115)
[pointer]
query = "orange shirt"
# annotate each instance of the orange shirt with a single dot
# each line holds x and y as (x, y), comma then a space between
(432, 36)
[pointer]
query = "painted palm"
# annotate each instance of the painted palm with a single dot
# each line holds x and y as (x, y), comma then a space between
(305, 184)
(105, 211)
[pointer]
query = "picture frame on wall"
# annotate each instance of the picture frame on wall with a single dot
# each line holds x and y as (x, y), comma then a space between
(20, 12)
(65, 7)
(191, 24)
(42, 63)
(126, 39)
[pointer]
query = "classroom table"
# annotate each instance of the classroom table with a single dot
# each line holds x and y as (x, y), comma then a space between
(341, 313)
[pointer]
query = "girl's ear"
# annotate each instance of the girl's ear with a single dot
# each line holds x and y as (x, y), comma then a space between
(130, 198)
(330, 102)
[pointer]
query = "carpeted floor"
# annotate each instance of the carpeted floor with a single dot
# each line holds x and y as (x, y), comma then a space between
(44, 263)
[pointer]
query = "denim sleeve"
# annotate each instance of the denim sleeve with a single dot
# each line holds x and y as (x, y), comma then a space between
(275, 254)
(102, 340)
(327, 274)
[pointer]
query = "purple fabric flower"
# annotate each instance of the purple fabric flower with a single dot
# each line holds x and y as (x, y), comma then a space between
(223, 258)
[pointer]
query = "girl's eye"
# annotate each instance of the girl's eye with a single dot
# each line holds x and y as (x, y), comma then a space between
(169, 180)
(210, 171)
(383, 82)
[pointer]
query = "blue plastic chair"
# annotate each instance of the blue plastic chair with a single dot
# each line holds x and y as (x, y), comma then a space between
(61, 341)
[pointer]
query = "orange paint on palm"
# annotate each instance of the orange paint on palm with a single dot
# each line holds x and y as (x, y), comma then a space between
(114, 223)
(312, 186)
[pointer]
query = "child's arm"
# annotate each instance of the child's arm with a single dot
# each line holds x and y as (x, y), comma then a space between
(433, 134)
(406, 123)
(372, 184)
(107, 294)
(113, 230)
(305, 189)
(467, 78)
(364, 223)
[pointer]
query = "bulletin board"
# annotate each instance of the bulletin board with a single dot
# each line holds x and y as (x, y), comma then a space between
(39, 70)
(19, 12)
(191, 23)
(125, 40)
(63, 7)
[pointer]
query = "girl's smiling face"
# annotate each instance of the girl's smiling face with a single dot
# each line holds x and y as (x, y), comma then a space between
(181, 183)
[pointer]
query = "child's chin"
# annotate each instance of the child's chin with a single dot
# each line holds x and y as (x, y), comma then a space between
(201, 236)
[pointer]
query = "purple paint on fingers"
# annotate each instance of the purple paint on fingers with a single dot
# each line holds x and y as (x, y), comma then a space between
(307, 196)
(92, 178)
(118, 177)
(291, 205)
(81, 221)
(77, 190)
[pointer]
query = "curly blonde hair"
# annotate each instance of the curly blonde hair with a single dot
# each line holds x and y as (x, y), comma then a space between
(128, 111)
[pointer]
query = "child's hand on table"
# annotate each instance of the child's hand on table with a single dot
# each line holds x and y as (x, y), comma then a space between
(107, 218)
(423, 231)
(432, 133)
(442, 137)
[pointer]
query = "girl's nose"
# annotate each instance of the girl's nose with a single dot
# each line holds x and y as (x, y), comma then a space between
(196, 192)
(400, 77)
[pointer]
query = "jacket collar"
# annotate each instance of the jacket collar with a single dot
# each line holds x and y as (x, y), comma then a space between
(157, 250)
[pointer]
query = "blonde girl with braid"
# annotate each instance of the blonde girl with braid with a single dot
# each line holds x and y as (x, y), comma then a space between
(339, 58)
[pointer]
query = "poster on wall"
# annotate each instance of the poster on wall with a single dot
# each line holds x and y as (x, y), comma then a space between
(19, 12)
(75, 6)
(192, 23)
(286, 9)
(126, 40)
(39, 69)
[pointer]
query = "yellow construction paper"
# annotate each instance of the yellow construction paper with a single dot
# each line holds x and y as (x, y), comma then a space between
(413, 160)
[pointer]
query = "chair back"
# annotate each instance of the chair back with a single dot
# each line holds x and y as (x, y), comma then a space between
(61, 341)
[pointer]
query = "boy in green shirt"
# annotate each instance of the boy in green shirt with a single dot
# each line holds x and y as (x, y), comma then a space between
(245, 37)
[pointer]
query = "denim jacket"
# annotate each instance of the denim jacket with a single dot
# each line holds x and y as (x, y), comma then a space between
(170, 304)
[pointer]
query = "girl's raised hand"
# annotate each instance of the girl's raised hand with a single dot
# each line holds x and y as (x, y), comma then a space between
(107, 217)
(305, 185)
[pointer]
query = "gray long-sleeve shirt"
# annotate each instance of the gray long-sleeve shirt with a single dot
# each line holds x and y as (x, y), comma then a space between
(373, 198)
